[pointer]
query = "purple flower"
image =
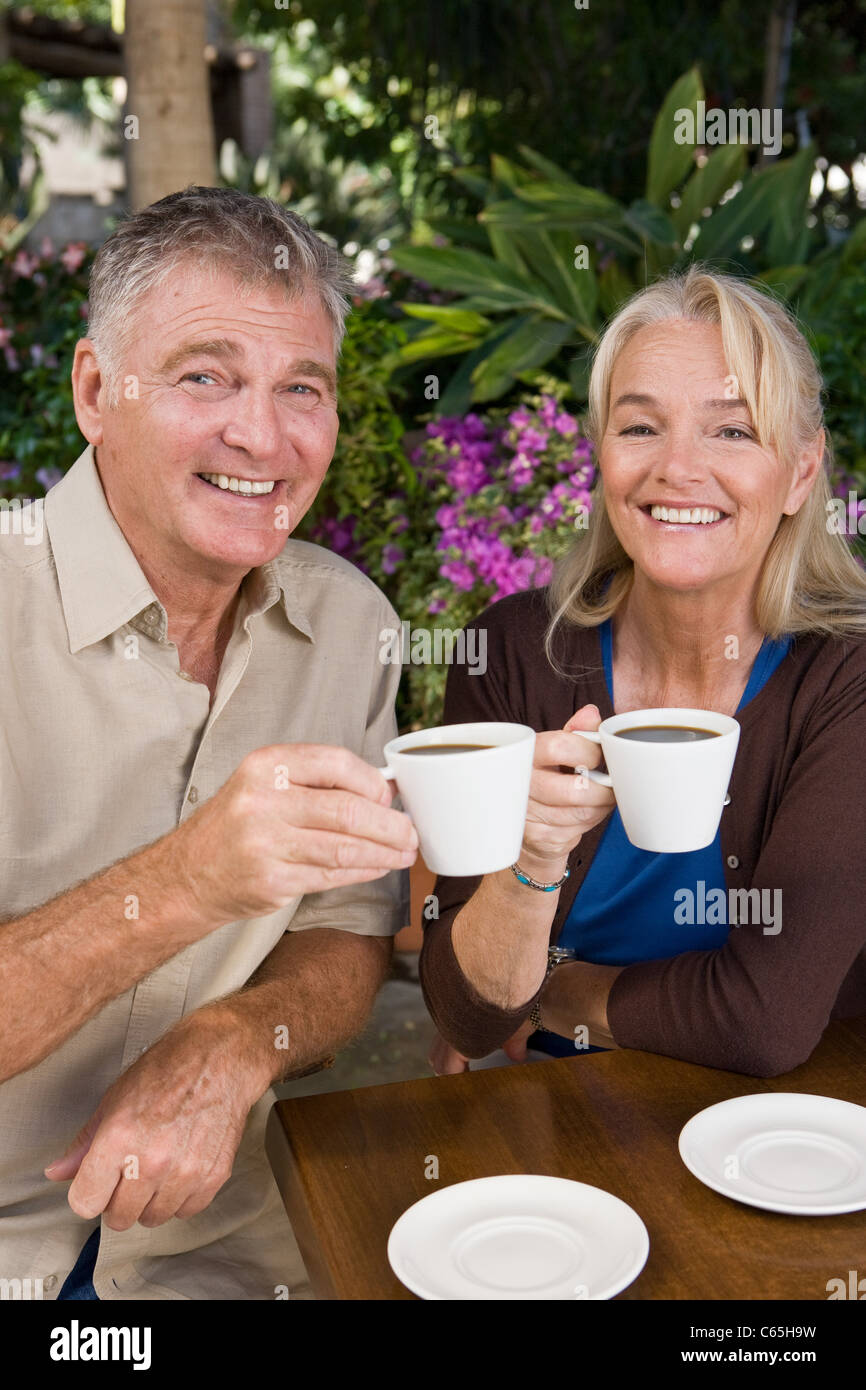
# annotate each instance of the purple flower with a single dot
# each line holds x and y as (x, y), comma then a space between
(565, 423)
(392, 555)
(520, 418)
(459, 574)
(36, 352)
(9, 470)
(548, 410)
(11, 358)
(533, 439)
(437, 606)
(401, 524)
(48, 477)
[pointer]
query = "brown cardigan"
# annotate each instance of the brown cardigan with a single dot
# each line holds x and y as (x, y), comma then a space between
(796, 822)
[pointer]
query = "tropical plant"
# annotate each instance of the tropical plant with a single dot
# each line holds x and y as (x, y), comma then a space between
(547, 260)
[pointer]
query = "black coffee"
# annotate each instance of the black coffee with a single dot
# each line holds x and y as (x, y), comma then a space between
(666, 733)
(431, 748)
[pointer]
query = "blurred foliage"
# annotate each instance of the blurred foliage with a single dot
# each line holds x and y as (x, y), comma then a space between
(581, 85)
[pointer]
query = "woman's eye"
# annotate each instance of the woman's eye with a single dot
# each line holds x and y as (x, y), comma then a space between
(190, 375)
(736, 429)
(631, 429)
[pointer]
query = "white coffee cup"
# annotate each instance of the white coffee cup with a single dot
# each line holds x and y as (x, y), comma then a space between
(670, 795)
(469, 809)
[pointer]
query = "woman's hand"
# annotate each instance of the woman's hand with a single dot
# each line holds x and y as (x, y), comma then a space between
(563, 805)
(446, 1060)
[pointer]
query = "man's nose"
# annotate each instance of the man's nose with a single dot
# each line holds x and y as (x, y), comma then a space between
(255, 423)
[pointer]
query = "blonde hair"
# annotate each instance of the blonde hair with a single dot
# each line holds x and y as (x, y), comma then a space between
(810, 580)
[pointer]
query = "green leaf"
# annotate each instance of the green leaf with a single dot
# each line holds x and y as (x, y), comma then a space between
(669, 161)
(436, 342)
(772, 198)
(457, 396)
(651, 223)
(474, 181)
(452, 316)
(531, 341)
(505, 249)
(785, 279)
(549, 256)
(614, 288)
(512, 213)
(460, 229)
(789, 235)
(855, 247)
(468, 272)
(707, 184)
(544, 166)
(571, 197)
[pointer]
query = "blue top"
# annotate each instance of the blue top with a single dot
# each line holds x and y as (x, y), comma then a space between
(625, 910)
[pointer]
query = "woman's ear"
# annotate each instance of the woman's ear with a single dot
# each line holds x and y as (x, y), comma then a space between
(809, 465)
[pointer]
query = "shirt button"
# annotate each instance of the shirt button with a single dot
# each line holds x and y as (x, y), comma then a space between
(733, 861)
(50, 1281)
(192, 795)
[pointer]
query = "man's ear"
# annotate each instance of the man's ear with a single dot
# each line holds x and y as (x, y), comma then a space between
(86, 388)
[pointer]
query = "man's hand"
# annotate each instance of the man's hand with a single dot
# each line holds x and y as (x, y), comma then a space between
(292, 819)
(446, 1060)
(164, 1137)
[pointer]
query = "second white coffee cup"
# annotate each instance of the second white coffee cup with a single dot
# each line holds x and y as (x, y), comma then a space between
(670, 795)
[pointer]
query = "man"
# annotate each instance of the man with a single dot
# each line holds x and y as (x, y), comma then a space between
(201, 867)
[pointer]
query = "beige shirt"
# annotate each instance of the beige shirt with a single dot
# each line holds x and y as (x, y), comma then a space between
(106, 745)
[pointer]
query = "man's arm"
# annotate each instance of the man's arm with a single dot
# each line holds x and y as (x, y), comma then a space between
(247, 852)
(181, 1108)
(308, 998)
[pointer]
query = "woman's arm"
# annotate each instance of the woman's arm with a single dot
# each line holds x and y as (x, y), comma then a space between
(760, 1003)
(484, 958)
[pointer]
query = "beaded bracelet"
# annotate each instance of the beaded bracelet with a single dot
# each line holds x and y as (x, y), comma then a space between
(533, 883)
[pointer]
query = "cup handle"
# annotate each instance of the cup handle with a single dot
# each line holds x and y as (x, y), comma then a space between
(387, 772)
(601, 778)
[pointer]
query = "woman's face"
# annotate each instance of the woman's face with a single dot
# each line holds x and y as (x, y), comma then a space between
(679, 437)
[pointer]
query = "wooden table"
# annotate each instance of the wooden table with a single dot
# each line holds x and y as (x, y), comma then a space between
(349, 1163)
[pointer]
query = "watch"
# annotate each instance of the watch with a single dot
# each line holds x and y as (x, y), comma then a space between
(555, 956)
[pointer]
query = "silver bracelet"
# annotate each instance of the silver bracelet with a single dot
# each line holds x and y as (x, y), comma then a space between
(533, 883)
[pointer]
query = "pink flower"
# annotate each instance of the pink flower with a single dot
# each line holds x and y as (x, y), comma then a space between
(24, 264)
(73, 255)
(46, 249)
(5, 336)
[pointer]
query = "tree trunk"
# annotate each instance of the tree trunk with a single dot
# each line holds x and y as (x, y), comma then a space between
(167, 123)
(777, 60)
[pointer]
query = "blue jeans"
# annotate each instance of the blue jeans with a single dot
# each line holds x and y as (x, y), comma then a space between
(79, 1282)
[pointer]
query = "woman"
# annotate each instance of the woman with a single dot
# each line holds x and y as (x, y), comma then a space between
(704, 400)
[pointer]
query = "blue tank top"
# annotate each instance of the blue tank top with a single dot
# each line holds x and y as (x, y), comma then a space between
(625, 910)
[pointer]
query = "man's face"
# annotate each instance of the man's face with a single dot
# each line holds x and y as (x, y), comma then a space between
(264, 413)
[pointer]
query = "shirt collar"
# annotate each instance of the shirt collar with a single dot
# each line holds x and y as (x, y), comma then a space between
(102, 585)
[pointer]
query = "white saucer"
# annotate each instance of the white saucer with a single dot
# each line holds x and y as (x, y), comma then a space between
(518, 1237)
(784, 1151)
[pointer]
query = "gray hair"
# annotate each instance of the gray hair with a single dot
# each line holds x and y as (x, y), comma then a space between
(212, 229)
